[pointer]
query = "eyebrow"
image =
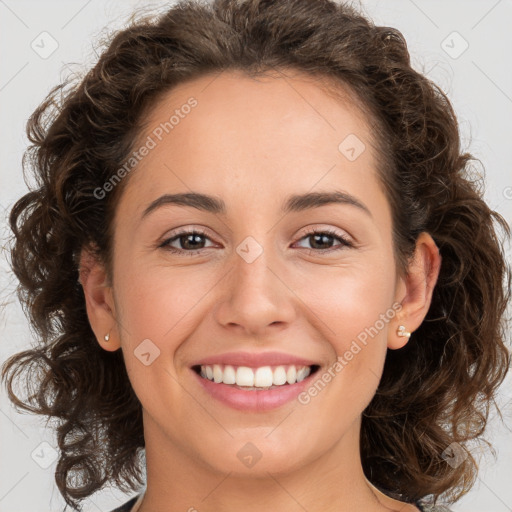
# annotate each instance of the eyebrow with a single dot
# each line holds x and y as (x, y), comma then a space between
(294, 203)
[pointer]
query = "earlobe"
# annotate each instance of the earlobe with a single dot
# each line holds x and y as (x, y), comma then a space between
(399, 336)
(419, 287)
(99, 300)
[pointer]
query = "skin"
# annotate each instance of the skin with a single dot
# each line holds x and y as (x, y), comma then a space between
(252, 143)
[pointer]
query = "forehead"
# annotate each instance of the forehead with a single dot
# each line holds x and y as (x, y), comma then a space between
(290, 103)
(279, 131)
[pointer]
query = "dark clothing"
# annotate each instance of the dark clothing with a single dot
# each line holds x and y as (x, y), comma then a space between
(126, 507)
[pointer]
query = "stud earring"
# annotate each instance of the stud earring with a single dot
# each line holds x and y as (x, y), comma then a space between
(402, 332)
(107, 336)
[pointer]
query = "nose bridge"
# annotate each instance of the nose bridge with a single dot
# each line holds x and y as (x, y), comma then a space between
(255, 296)
(253, 263)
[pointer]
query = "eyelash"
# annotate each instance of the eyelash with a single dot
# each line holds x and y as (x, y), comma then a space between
(344, 242)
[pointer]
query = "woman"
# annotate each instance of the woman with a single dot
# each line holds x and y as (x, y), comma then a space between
(165, 262)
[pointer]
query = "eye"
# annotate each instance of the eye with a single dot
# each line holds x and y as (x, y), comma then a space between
(187, 240)
(321, 238)
(191, 244)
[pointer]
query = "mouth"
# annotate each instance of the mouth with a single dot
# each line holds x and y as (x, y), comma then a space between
(262, 378)
(254, 389)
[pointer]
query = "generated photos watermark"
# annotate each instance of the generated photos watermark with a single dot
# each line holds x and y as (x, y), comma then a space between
(151, 142)
(355, 348)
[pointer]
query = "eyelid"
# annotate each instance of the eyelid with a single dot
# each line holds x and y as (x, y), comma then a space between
(185, 230)
(308, 230)
(346, 241)
(322, 228)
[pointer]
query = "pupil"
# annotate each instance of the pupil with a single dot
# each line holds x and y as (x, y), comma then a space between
(319, 237)
(188, 237)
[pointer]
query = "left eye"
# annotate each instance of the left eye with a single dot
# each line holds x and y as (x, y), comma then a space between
(189, 241)
(320, 237)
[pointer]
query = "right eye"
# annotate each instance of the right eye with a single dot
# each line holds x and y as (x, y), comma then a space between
(184, 238)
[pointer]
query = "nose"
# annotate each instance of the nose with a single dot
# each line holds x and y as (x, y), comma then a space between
(255, 296)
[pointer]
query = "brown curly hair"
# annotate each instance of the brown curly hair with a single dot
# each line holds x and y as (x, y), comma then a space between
(434, 392)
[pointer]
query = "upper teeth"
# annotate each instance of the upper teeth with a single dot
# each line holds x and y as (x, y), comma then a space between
(262, 377)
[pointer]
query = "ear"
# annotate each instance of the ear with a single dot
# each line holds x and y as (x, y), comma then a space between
(99, 299)
(416, 289)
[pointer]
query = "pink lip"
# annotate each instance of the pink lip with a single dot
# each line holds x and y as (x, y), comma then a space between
(254, 401)
(253, 360)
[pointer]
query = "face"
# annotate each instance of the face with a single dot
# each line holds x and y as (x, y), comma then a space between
(256, 279)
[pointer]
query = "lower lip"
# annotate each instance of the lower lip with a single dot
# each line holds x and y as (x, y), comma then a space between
(254, 401)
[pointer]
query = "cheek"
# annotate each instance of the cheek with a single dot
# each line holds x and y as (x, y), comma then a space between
(351, 300)
(157, 316)
(155, 299)
(352, 307)
(353, 325)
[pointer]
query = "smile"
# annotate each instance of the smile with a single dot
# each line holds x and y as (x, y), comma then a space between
(254, 389)
(264, 377)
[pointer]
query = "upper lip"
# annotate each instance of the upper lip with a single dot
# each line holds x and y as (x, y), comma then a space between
(255, 360)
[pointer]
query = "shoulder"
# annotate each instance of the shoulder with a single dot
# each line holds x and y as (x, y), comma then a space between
(127, 507)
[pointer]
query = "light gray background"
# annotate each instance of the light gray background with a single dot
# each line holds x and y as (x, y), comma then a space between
(478, 81)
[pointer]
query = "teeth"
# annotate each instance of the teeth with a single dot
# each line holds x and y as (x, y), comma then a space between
(217, 373)
(244, 376)
(229, 376)
(262, 377)
(291, 375)
(302, 374)
(279, 376)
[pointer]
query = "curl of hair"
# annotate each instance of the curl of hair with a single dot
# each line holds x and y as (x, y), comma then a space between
(434, 392)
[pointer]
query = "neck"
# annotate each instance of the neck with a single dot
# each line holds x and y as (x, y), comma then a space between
(177, 481)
